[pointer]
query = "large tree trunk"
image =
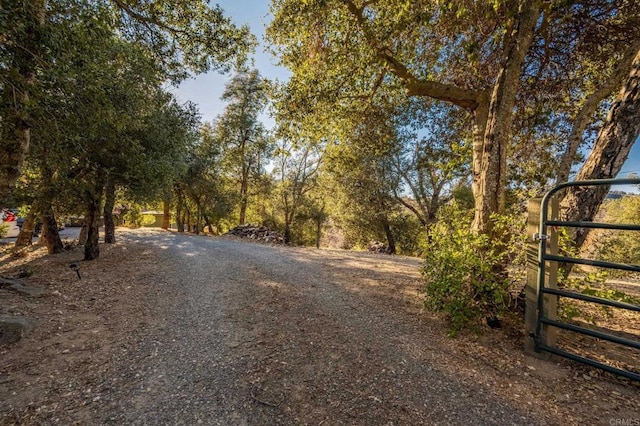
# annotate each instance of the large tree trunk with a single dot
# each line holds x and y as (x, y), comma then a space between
(585, 115)
(25, 237)
(92, 220)
(15, 132)
(391, 242)
(50, 234)
(613, 144)
(490, 175)
(109, 204)
(287, 233)
(318, 223)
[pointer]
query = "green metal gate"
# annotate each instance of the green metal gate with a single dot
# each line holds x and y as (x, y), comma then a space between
(543, 256)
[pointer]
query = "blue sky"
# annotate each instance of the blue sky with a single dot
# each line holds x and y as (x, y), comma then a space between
(205, 90)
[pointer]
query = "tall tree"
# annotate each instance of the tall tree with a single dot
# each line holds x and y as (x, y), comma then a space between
(182, 36)
(474, 55)
(246, 144)
(296, 171)
(22, 30)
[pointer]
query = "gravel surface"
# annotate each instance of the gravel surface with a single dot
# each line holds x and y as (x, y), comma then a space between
(264, 335)
(258, 334)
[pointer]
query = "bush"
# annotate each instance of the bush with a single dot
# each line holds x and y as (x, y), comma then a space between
(620, 246)
(4, 229)
(132, 217)
(465, 272)
(147, 220)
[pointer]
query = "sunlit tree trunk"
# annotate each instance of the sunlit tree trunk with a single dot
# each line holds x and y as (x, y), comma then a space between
(25, 237)
(616, 137)
(585, 115)
(490, 175)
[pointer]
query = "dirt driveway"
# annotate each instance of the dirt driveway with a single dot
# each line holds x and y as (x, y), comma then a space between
(174, 329)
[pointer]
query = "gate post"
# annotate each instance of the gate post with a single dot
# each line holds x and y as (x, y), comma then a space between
(550, 305)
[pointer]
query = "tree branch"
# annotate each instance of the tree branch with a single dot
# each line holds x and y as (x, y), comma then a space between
(585, 115)
(464, 98)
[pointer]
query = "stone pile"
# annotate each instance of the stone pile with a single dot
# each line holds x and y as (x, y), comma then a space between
(258, 233)
(378, 247)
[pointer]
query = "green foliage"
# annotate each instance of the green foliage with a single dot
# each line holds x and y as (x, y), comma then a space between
(4, 228)
(620, 246)
(591, 284)
(465, 272)
(133, 216)
(147, 220)
(410, 235)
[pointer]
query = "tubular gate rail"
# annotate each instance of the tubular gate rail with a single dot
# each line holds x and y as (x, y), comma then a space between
(543, 257)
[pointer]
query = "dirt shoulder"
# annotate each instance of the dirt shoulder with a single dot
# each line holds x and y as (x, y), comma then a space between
(52, 373)
(192, 328)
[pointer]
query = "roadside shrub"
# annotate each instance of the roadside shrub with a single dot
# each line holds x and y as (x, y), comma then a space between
(147, 220)
(620, 246)
(466, 273)
(4, 229)
(132, 216)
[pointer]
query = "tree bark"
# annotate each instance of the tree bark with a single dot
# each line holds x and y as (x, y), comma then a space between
(287, 233)
(92, 220)
(50, 234)
(318, 232)
(391, 242)
(25, 237)
(109, 204)
(491, 181)
(613, 144)
(585, 115)
(15, 132)
(84, 231)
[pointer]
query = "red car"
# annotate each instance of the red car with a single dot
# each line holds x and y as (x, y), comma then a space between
(9, 218)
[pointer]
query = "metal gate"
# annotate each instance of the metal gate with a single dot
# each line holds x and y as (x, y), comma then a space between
(544, 256)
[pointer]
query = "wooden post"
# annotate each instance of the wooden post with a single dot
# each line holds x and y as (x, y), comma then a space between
(550, 306)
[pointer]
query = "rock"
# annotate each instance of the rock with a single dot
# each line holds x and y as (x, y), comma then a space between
(258, 233)
(19, 287)
(7, 282)
(27, 291)
(14, 328)
(378, 247)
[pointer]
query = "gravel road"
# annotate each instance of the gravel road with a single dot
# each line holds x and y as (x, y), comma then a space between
(255, 334)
